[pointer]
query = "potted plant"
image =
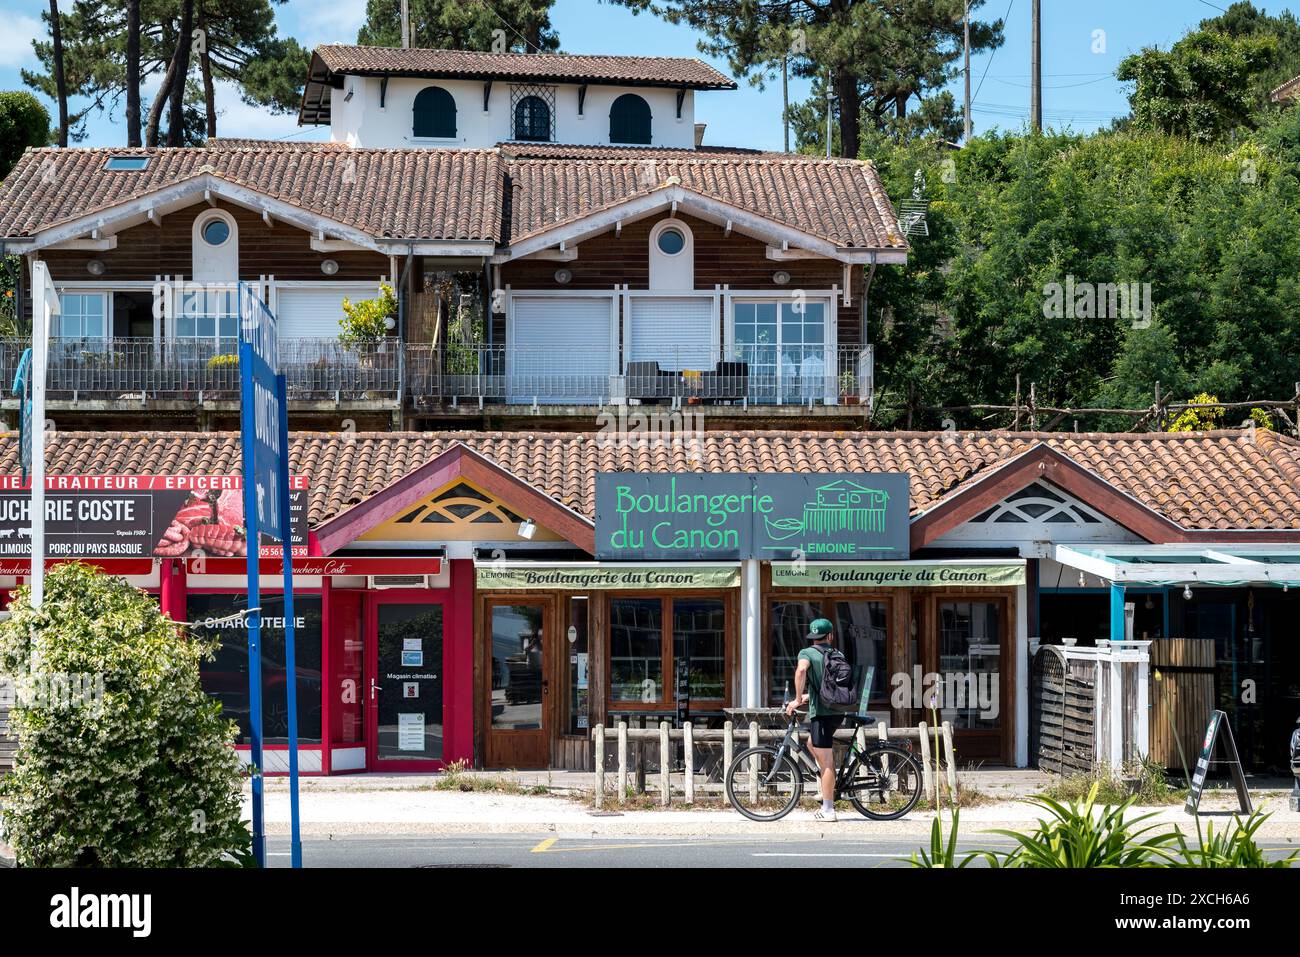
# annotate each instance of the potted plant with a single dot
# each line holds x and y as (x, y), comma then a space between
(849, 388)
(367, 322)
(223, 372)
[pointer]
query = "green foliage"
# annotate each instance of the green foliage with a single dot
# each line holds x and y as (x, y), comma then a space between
(1199, 420)
(12, 324)
(24, 122)
(1235, 847)
(1214, 231)
(365, 322)
(943, 850)
(1201, 88)
(1083, 835)
(1145, 783)
(888, 62)
(241, 46)
(141, 775)
(456, 25)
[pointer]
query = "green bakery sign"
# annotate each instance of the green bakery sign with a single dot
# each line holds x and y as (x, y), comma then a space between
(703, 516)
(926, 574)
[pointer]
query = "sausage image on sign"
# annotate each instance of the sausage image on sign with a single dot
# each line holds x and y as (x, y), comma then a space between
(209, 522)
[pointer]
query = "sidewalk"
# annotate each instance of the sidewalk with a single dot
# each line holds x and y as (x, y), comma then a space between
(407, 804)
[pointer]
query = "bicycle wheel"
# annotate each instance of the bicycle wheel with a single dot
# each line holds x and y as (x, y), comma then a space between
(884, 783)
(763, 784)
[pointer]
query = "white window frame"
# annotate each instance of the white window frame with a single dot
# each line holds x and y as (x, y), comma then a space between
(829, 297)
(106, 300)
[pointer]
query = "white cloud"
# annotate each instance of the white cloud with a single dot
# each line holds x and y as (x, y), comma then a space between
(16, 36)
(237, 118)
(314, 22)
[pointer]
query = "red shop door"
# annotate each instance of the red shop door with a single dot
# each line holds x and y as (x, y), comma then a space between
(405, 680)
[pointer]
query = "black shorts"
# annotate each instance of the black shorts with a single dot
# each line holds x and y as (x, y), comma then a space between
(821, 729)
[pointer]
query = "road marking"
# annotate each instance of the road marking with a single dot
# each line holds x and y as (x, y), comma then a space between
(895, 856)
(545, 845)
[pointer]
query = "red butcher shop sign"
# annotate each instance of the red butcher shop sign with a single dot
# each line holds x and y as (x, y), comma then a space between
(140, 516)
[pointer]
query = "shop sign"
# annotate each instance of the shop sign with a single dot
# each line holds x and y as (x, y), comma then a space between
(364, 565)
(936, 574)
(16, 567)
(139, 516)
(703, 516)
(605, 577)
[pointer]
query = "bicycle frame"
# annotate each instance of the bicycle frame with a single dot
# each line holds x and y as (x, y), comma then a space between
(807, 762)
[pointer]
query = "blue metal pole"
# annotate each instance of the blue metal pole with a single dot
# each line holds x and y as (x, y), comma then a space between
(1117, 630)
(290, 654)
(254, 601)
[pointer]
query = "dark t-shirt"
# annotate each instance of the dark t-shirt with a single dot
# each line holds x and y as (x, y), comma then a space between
(816, 668)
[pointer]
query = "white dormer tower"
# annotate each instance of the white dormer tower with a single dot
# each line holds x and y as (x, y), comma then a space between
(383, 97)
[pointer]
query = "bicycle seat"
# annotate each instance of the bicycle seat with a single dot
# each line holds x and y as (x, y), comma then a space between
(859, 720)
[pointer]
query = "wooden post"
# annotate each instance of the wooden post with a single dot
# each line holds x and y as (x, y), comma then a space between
(622, 762)
(688, 755)
(926, 775)
(600, 765)
(642, 748)
(728, 749)
(753, 778)
(950, 755)
(665, 764)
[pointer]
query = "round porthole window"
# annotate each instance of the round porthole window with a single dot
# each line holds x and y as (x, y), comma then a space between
(671, 242)
(216, 232)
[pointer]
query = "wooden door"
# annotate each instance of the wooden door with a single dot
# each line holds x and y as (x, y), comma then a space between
(520, 636)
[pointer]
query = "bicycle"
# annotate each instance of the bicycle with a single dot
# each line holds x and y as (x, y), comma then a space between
(881, 780)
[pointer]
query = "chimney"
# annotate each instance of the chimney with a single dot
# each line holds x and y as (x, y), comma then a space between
(699, 134)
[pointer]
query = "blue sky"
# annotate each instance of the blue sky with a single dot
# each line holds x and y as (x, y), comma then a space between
(1080, 90)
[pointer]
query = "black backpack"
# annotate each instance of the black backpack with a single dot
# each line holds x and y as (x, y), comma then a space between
(837, 690)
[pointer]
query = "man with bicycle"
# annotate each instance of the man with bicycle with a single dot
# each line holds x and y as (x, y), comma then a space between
(822, 722)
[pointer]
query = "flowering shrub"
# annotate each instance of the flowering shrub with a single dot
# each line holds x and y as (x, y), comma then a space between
(141, 773)
(366, 321)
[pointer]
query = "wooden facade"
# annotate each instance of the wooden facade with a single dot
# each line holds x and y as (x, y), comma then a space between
(738, 261)
(146, 251)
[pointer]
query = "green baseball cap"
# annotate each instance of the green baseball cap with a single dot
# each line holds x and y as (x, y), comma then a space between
(819, 629)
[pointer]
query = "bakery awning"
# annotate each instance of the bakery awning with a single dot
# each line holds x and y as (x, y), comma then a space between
(495, 575)
(909, 574)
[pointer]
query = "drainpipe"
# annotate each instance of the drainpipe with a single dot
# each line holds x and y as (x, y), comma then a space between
(401, 333)
(751, 638)
(866, 300)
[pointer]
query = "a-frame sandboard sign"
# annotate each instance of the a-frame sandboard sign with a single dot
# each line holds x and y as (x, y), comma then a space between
(1218, 724)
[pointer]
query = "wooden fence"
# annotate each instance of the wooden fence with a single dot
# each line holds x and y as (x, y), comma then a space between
(706, 755)
(1089, 706)
(1182, 697)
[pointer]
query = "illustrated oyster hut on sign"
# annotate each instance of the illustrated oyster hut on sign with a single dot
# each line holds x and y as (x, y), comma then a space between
(842, 505)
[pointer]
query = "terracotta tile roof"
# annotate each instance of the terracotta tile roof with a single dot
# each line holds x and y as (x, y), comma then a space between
(839, 200)
(244, 143)
(557, 67)
(457, 194)
(521, 150)
(388, 193)
(1208, 481)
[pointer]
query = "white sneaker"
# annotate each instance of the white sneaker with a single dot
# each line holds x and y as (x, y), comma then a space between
(820, 815)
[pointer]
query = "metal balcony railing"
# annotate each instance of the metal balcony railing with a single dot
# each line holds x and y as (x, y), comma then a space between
(207, 369)
(138, 370)
(737, 375)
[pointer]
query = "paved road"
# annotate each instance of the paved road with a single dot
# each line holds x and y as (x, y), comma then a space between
(546, 849)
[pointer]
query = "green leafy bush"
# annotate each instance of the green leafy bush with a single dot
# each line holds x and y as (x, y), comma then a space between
(366, 321)
(1074, 836)
(1235, 847)
(140, 773)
